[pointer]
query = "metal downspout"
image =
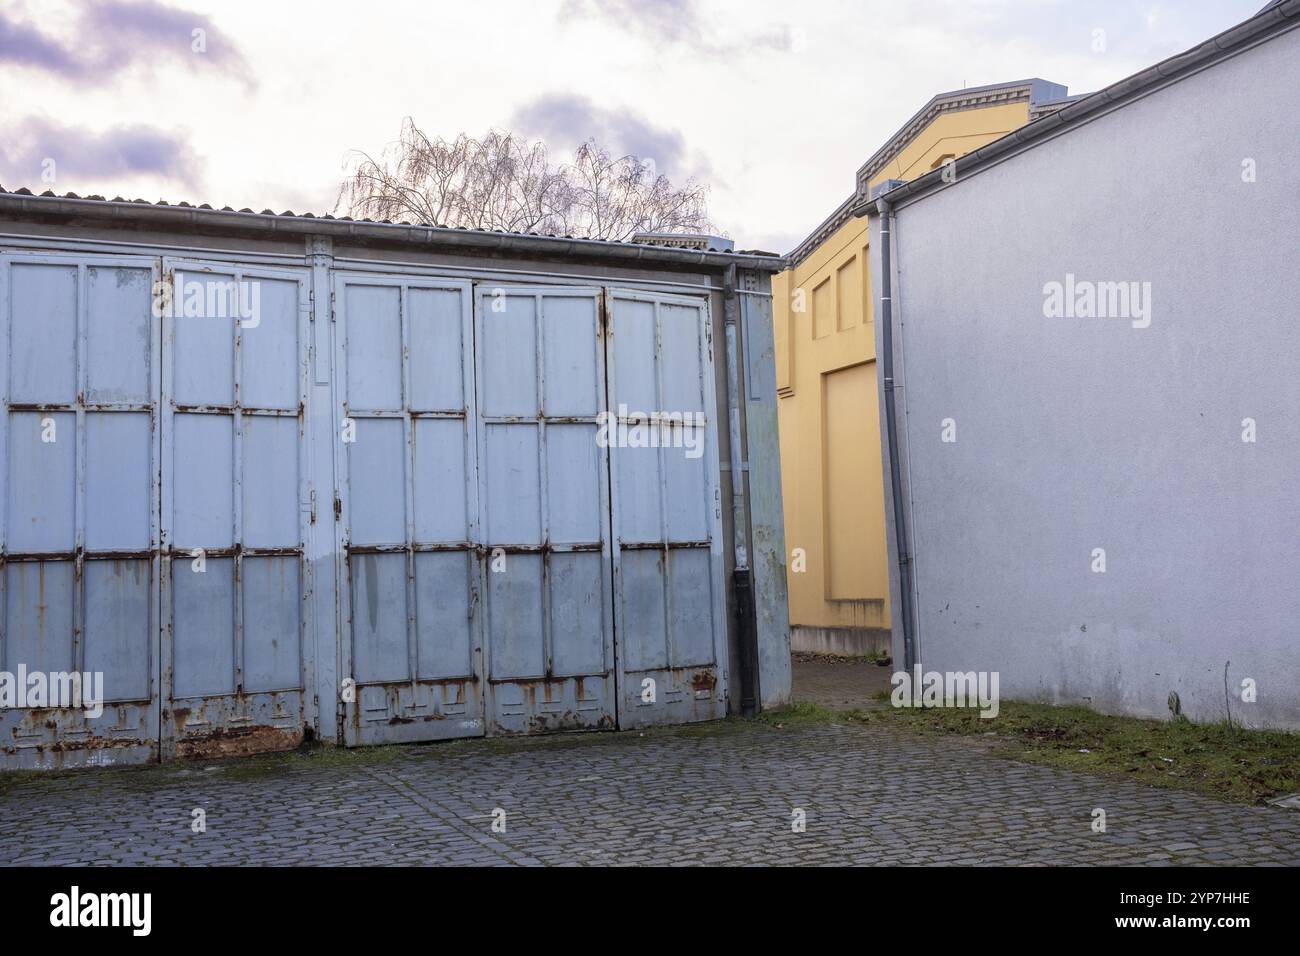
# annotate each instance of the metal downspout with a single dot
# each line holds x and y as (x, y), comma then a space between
(742, 580)
(891, 430)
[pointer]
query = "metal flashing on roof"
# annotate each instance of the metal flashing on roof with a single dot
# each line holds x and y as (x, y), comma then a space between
(1039, 110)
(684, 240)
(1279, 17)
(23, 203)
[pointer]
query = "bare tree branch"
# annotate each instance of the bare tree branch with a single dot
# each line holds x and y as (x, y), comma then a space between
(507, 182)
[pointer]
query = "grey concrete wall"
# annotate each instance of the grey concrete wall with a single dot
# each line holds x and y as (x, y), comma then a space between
(841, 641)
(766, 517)
(1082, 433)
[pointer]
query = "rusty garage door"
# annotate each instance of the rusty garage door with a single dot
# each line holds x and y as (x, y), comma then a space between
(515, 527)
(408, 509)
(78, 533)
(667, 511)
(544, 490)
(235, 503)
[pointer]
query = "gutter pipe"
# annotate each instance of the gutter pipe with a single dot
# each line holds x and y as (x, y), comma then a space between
(905, 610)
(742, 578)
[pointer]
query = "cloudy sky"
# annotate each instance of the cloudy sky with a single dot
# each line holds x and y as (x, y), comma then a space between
(773, 104)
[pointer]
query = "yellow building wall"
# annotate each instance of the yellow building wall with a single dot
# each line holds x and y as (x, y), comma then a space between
(831, 471)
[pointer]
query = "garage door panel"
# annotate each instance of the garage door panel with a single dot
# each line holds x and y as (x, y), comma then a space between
(269, 346)
(690, 632)
(203, 629)
(632, 341)
(272, 606)
(119, 488)
(578, 582)
(42, 482)
(379, 618)
(271, 482)
(637, 490)
(514, 516)
(201, 482)
(515, 629)
(202, 337)
(38, 615)
(687, 484)
(441, 475)
(437, 349)
(573, 484)
(119, 335)
(444, 582)
(508, 333)
(571, 340)
(642, 624)
(119, 626)
(377, 471)
(680, 361)
(43, 320)
(373, 344)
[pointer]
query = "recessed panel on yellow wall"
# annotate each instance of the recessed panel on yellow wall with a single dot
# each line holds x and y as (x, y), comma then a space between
(854, 499)
(848, 283)
(823, 309)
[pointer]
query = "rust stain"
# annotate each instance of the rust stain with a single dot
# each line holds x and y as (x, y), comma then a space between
(92, 743)
(704, 680)
(238, 742)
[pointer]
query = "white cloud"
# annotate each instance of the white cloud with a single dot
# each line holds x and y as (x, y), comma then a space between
(779, 126)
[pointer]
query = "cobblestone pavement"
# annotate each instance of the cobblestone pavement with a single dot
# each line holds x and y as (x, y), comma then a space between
(840, 683)
(716, 794)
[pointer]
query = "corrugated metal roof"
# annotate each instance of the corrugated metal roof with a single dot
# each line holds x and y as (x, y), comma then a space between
(118, 207)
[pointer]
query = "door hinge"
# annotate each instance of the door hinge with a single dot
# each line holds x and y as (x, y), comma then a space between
(338, 508)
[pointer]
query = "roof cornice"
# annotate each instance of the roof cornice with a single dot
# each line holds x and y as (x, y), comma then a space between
(1032, 91)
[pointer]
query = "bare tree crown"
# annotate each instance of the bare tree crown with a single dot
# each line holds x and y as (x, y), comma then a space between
(504, 181)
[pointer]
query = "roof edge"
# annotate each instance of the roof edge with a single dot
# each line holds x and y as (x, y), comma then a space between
(24, 205)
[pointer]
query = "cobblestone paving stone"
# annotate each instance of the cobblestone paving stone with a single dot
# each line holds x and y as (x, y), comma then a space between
(718, 794)
(846, 683)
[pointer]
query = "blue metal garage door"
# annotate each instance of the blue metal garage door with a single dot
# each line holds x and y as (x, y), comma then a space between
(235, 505)
(667, 512)
(545, 495)
(78, 532)
(408, 509)
(503, 562)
